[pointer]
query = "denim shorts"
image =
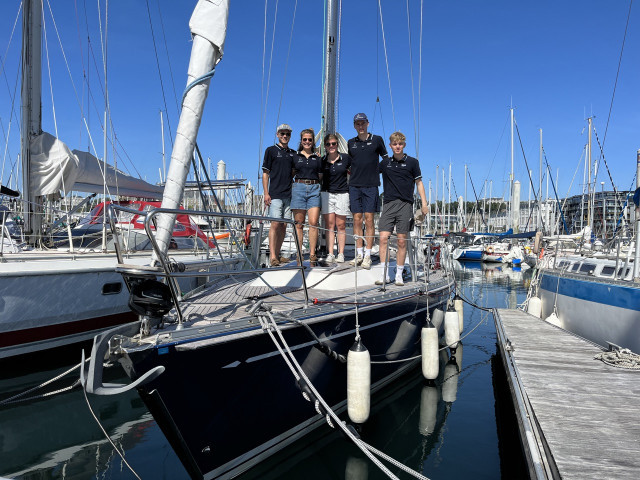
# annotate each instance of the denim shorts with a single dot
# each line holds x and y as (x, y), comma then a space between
(363, 199)
(280, 208)
(304, 197)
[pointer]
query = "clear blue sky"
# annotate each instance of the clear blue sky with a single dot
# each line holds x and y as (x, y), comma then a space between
(556, 61)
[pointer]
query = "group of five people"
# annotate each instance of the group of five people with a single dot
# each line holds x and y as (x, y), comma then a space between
(305, 183)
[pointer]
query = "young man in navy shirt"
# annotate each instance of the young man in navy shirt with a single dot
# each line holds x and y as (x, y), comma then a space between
(400, 173)
(364, 149)
(277, 176)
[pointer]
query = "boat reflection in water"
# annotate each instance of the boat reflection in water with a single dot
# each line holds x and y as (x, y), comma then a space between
(43, 436)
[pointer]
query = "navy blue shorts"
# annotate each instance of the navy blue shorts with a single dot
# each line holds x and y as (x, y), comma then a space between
(363, 199)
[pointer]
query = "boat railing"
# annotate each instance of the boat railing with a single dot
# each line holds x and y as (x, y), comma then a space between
(172, 272)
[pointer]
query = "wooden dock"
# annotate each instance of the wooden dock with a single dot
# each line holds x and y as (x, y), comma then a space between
(578, 417)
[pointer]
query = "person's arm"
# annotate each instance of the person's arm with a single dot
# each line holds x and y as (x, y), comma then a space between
(382, 149)
(265, 187)
(423, 196)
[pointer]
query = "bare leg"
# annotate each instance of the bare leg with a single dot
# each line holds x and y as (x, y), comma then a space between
(384, 239)
(329, 223)
(314, 216)
(341, 225)
(298, 216)
(273, 240)
(282, 230)
(370, 229)
(357, 228)
(402, 249)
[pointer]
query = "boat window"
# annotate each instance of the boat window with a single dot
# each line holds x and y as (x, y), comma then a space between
(626, 272)
(587, 268)
(607, 271)
(563, 264)
(575, 267)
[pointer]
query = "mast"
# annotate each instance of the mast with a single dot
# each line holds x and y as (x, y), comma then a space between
(589, 202)
(511, 175)
(636, 261)
(449, 206)
(31, 109)
(330, 68)
(465, 196)
(540, 187)
(208, 26)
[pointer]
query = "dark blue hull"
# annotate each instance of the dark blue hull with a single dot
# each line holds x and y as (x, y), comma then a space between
(230, 402)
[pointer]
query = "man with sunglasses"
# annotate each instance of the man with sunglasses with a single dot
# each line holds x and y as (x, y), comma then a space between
(365, 150)
(277, 176)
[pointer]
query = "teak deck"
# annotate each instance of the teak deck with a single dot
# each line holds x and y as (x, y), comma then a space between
(578, 417)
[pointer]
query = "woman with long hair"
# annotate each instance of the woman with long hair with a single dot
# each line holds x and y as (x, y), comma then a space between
(305, 191)
(335, 195)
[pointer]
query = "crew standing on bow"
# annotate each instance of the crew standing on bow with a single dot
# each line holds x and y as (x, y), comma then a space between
(400, 173)
(335, 195)
(364, 149)
(277, 172)
(305, 192)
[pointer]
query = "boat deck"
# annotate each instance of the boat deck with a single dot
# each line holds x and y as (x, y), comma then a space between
(227, 299)
(577, 416)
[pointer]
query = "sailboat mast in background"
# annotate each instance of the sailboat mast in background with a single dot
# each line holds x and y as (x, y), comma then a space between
(31, 110)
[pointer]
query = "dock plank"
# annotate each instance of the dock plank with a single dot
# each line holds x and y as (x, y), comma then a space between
(582, 411)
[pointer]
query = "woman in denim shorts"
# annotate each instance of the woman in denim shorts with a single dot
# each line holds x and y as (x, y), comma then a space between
(305, 191)
(335, 195)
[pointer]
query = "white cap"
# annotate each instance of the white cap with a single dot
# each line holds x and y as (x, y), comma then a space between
(283, 126)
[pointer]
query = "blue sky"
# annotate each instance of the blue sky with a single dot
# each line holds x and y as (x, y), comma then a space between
(556, 61)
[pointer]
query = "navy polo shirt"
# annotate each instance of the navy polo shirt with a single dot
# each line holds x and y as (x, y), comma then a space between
(278, 162)
(334, 175)
(399, 177)
(308, 168)
(364, 160)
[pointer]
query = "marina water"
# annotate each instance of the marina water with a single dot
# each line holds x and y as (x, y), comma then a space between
(469, 432)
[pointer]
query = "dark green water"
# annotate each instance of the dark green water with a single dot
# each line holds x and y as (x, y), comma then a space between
(471, 435)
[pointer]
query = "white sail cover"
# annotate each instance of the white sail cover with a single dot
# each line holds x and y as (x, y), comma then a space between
(208, 25)
(55, 169)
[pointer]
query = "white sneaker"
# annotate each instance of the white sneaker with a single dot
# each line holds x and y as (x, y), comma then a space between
(366, 262)
(330, 258)
(340, 258)
(380, 282)
(399, 282)
(357, 260)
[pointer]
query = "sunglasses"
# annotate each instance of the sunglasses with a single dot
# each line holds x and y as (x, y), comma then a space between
(284, 134)
(307, 139)
(330, 144)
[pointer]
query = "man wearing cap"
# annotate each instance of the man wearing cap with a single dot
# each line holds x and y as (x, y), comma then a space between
(277, 175)
(365, 149)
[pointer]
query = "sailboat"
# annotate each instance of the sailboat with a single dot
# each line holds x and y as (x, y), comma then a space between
(52, 297)
(595, 294)
(246, 365)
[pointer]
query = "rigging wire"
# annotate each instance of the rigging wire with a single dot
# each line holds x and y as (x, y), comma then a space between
(265, 92)
(286, 65)
(384, 43)
(420, 82)
(155, 51)
(260, 125)
(413, 96)
(166, 49)
(533, 188)
(615, 85)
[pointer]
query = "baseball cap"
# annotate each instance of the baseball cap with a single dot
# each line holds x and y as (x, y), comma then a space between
(360, 116)
(283, 126)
